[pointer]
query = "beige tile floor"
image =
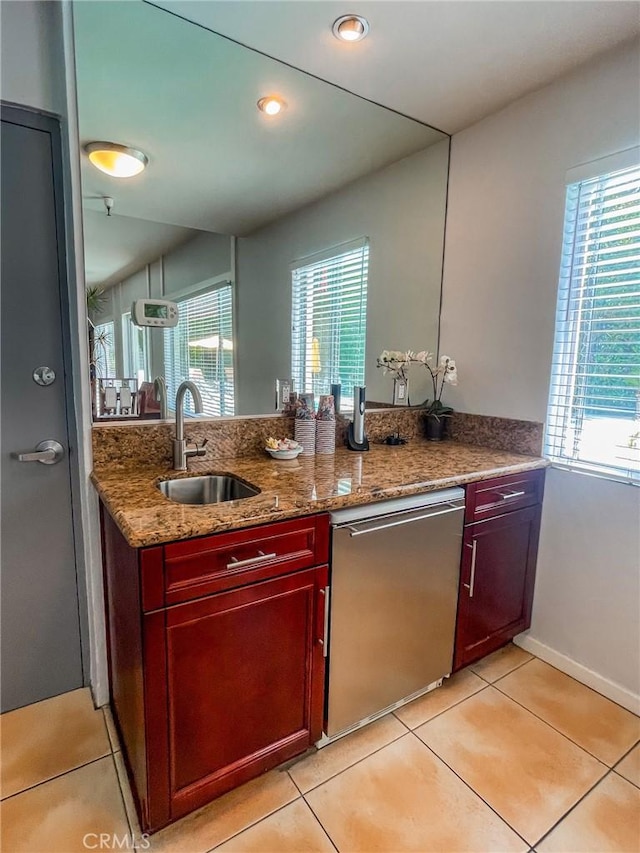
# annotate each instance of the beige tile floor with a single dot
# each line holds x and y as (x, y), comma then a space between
(510, 754)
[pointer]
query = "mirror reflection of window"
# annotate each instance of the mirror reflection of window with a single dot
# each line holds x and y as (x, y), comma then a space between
(329, 312)
(104, 350)
(201, 348)
(135, 350)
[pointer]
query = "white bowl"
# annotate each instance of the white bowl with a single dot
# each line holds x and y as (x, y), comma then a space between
(284, 454)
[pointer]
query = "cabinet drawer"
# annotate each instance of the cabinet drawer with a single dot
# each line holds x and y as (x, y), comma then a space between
(212, 564)
(493, 497)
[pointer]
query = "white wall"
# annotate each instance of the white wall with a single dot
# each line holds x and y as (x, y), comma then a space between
(502, 253)
(31, 64)
(204, 257)
(401, 209)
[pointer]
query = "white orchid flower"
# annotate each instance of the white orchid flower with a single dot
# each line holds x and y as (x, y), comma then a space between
(423, 356)
(451, 372)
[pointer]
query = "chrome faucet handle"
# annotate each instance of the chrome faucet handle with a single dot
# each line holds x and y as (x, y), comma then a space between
(200, 448)
(195, 449)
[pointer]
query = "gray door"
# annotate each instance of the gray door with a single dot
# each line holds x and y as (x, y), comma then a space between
(40, 630)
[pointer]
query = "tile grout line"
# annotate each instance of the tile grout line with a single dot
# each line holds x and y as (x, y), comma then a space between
(402, 722)
(349, 766)
(294, 782)
(627, 753)
(473, 791)
(519, 666)
(324, 829)
(249, 825)
(57, 776)
(620, 775)
(568, 737)
(444, 710)
(574, 806)
(624, 779)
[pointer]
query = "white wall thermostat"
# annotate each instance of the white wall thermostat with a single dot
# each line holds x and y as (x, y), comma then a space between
(154, 312)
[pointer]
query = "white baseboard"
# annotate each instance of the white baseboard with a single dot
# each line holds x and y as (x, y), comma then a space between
(613, 691)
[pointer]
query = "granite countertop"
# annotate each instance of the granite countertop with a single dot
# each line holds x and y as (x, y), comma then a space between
(302, 486)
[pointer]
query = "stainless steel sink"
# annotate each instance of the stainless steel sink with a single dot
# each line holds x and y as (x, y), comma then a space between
(211, 489)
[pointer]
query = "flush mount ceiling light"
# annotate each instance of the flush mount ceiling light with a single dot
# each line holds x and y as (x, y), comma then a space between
(350, 28)
(116, 160)
(271, 105)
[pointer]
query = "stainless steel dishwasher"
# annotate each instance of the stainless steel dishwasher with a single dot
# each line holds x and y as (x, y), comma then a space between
(394, 591)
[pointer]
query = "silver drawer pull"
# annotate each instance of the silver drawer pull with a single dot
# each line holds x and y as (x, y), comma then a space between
(510, 493)
(472, 579)
(251, 561)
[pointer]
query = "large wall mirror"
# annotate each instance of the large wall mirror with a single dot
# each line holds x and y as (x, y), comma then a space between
(297, 246)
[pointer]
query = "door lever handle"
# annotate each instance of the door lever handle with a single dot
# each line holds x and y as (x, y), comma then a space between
(47, 452)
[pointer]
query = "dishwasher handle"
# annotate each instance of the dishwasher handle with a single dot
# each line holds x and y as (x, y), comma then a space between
(406, 518)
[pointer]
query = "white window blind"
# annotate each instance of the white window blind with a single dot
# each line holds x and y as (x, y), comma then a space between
(329, 311)
(594, 407)
(104, 353)
(135, 350)
(200, 348)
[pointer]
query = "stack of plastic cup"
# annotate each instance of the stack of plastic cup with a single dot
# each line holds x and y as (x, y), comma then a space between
(326, 425)
(305, 424)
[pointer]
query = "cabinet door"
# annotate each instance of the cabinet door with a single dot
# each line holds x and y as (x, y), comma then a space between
(245, 679)
(496, 582)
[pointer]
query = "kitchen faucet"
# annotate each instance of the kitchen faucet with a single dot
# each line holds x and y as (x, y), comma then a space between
(181, 450)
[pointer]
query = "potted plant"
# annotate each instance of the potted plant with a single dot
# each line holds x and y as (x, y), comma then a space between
(436, 411)
(398, 363)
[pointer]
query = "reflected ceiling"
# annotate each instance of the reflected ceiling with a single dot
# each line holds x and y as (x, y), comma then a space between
(187, 98)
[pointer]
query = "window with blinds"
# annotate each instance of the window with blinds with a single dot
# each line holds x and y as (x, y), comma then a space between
(135, 350)
(594, 408)
(200, 348)
(329, 312)
(104, 352)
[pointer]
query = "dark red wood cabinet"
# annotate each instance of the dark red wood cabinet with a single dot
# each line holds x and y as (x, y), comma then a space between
(497, 575)
(216, 658)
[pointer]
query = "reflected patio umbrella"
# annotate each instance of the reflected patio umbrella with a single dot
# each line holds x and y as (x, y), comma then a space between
(316, 366)
(212, 343)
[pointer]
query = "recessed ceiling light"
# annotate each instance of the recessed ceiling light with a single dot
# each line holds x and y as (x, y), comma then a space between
(350, 28)
(119, 161)
(271, 105)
